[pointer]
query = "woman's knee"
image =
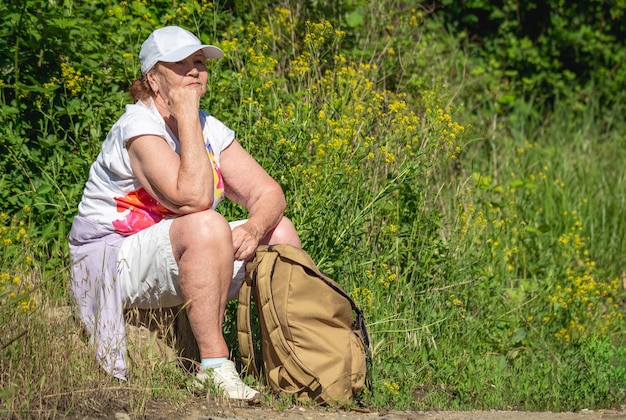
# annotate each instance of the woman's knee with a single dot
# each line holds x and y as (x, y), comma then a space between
(204, 228)
(284, 233)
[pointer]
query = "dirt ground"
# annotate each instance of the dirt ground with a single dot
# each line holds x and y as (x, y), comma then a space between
(306, 414)
(115, 405)
(212, 411)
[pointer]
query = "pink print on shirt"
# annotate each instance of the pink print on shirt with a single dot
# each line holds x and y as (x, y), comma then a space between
(144, 211)
(218, 181)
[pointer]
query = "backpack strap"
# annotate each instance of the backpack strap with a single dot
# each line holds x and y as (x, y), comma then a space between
(244, 330)
(296, 368)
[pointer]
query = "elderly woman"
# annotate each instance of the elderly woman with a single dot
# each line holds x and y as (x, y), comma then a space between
(147, 234)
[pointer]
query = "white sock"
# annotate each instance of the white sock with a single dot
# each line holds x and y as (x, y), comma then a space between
(212, 362)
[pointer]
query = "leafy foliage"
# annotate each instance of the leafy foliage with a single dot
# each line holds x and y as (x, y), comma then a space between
(545, 49)
(480, 232)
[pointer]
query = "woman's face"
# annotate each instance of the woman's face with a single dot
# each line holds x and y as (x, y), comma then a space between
(188, 73)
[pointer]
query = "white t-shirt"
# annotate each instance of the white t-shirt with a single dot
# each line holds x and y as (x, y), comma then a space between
(114, 197)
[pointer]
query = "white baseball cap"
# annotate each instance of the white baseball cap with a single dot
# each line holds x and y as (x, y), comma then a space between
(171, 44)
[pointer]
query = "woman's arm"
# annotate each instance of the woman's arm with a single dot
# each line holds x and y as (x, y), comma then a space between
(182, 183)
(247, 184)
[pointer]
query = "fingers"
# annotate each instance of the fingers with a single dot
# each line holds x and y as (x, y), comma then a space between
(183, 100)
(244, 242)
(244, 250)
(243, 254)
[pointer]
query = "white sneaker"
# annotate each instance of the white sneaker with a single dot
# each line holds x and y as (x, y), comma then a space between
(226, 378)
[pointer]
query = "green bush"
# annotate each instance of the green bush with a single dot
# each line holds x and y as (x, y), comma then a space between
(544, 49)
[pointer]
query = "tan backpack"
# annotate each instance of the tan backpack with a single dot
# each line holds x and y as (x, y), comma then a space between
(312, 344)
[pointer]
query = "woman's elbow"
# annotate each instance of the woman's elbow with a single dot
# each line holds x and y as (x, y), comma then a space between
(280, 200)
(196, 204)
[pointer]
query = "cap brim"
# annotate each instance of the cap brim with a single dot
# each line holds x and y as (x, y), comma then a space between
(209, 51)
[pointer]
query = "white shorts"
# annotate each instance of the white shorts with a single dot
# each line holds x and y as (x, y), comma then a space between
(148, 272)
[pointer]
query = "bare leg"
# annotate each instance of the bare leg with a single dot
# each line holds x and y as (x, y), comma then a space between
(202, 247)
(283, 233)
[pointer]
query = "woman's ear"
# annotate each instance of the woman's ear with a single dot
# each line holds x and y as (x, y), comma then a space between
(152, 82)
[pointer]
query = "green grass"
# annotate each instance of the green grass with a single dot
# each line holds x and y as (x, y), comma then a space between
(485, 247)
